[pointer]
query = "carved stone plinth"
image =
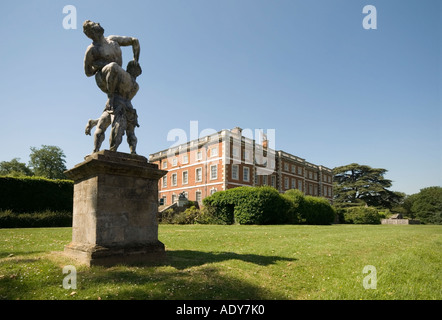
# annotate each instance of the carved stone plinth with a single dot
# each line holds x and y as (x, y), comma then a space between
(115, 208)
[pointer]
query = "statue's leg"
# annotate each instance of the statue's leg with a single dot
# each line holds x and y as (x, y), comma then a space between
(103, 123)
(112, 72)
(131, 139)
(119, 125)
(113, 75)
(90, 124)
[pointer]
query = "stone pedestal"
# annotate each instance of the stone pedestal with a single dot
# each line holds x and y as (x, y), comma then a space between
(115, 208)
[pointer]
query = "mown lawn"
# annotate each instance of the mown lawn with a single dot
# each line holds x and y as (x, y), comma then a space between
(237, 262)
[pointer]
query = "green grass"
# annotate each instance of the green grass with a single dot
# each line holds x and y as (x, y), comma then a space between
(237, 262)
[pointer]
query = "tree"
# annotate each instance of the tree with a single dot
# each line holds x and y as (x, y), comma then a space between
(14, 168)
(427, 205)
(356, 184)
(408, 204)
(48, 162)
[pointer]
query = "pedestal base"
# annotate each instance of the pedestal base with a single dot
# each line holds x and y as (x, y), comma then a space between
(101, 256)
(115, 209)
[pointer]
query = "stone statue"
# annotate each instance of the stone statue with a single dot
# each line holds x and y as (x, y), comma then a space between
(103, 59)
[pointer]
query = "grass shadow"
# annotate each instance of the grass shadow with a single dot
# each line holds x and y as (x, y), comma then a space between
(177, 278)
(207, 284)
(183, 259)
(183, 275)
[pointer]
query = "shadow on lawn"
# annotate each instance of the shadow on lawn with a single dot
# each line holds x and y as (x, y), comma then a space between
(183, 275)
(183, 259)
(207, 282)
(204, 284)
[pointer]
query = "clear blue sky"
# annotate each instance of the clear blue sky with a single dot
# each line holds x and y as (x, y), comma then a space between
(334, 92)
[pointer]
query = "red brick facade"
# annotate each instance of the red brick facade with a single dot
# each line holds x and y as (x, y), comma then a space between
(227, 160)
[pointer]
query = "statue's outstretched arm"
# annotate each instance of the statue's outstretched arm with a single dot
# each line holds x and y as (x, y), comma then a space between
(128, 41)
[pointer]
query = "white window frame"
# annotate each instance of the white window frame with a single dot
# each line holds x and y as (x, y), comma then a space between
(264, 180)
(172, 178)
(246, 174)
(235, 169)
(185, 158)
(214, 152)
(196, 174)
(216, 172)
(164, 181)
(185, 180)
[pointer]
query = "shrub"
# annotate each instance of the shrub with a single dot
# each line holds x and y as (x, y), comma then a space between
(220, 206)
(208, 216)
(264, 205)
(295, 200)
(316, 210)
(10, 219)
(166, 216)
(362, 215)
(248, 205)
(183, 215)
(340, 214)
(261, 205)
(188, 216)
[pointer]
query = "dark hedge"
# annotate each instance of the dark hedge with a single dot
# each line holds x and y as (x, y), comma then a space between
(31, 194)
(265, 205)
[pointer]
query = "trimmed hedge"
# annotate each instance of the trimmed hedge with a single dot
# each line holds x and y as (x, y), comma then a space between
(9, 219)
(265, 205)
(35, 194)
(316, 210)
(295, 198)
(221, 206)
(248, 205)
(260, 205)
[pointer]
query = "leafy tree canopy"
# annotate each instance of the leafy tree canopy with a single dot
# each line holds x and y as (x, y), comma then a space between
(356, 184)
(427, 205)
(48, 162)
(14, 168)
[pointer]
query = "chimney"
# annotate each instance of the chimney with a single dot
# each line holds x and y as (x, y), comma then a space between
(265, 142)
(236, 130)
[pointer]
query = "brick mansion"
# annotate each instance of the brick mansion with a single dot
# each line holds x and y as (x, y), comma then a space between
(227, 159)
